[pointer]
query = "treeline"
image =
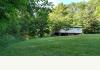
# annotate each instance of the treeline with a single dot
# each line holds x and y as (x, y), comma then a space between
(84, 14)
(25, 19)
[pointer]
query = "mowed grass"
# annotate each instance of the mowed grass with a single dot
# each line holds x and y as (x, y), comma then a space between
(80, 45)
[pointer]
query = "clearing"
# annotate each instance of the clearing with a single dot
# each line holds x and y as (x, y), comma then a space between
(56, 46)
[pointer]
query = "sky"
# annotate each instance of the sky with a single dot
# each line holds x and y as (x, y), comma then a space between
(64, 1)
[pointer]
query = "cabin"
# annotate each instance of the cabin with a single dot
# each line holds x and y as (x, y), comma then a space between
(70, 31)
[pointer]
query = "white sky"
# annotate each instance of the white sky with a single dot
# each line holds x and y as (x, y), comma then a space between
(55, 1)
(64, 1)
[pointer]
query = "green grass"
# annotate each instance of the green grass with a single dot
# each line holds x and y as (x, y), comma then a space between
(55, 46)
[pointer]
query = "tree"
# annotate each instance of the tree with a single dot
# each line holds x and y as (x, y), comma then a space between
(92, 24)
(40, 10)
(9, 19)
(58, 18)
(9, 14)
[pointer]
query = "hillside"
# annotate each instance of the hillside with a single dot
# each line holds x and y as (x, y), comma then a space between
(66, 45)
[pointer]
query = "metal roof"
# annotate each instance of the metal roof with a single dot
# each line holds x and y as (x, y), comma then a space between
(71, 30)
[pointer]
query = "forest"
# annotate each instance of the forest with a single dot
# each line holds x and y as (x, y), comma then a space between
(26, 19)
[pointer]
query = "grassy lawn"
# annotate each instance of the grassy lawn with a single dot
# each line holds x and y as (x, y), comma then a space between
(54, 46)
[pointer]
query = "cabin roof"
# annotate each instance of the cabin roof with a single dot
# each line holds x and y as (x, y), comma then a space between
(71, 30)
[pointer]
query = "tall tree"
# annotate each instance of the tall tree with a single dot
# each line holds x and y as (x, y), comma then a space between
(40, 10)
(58, 18)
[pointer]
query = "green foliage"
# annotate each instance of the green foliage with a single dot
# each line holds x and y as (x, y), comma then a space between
(17, 19)
(57, 18)
(3, 43)
(92, 27)
(6, 41)
(40, 11)
(85, 14)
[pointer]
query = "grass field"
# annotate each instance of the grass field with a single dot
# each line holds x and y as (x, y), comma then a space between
(55, 46)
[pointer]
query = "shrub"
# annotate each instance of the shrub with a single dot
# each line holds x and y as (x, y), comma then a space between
(6, 40)
(3, 42)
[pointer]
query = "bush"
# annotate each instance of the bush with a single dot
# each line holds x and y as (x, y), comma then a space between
(3, 42)
(6, 40)
(92, 28)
